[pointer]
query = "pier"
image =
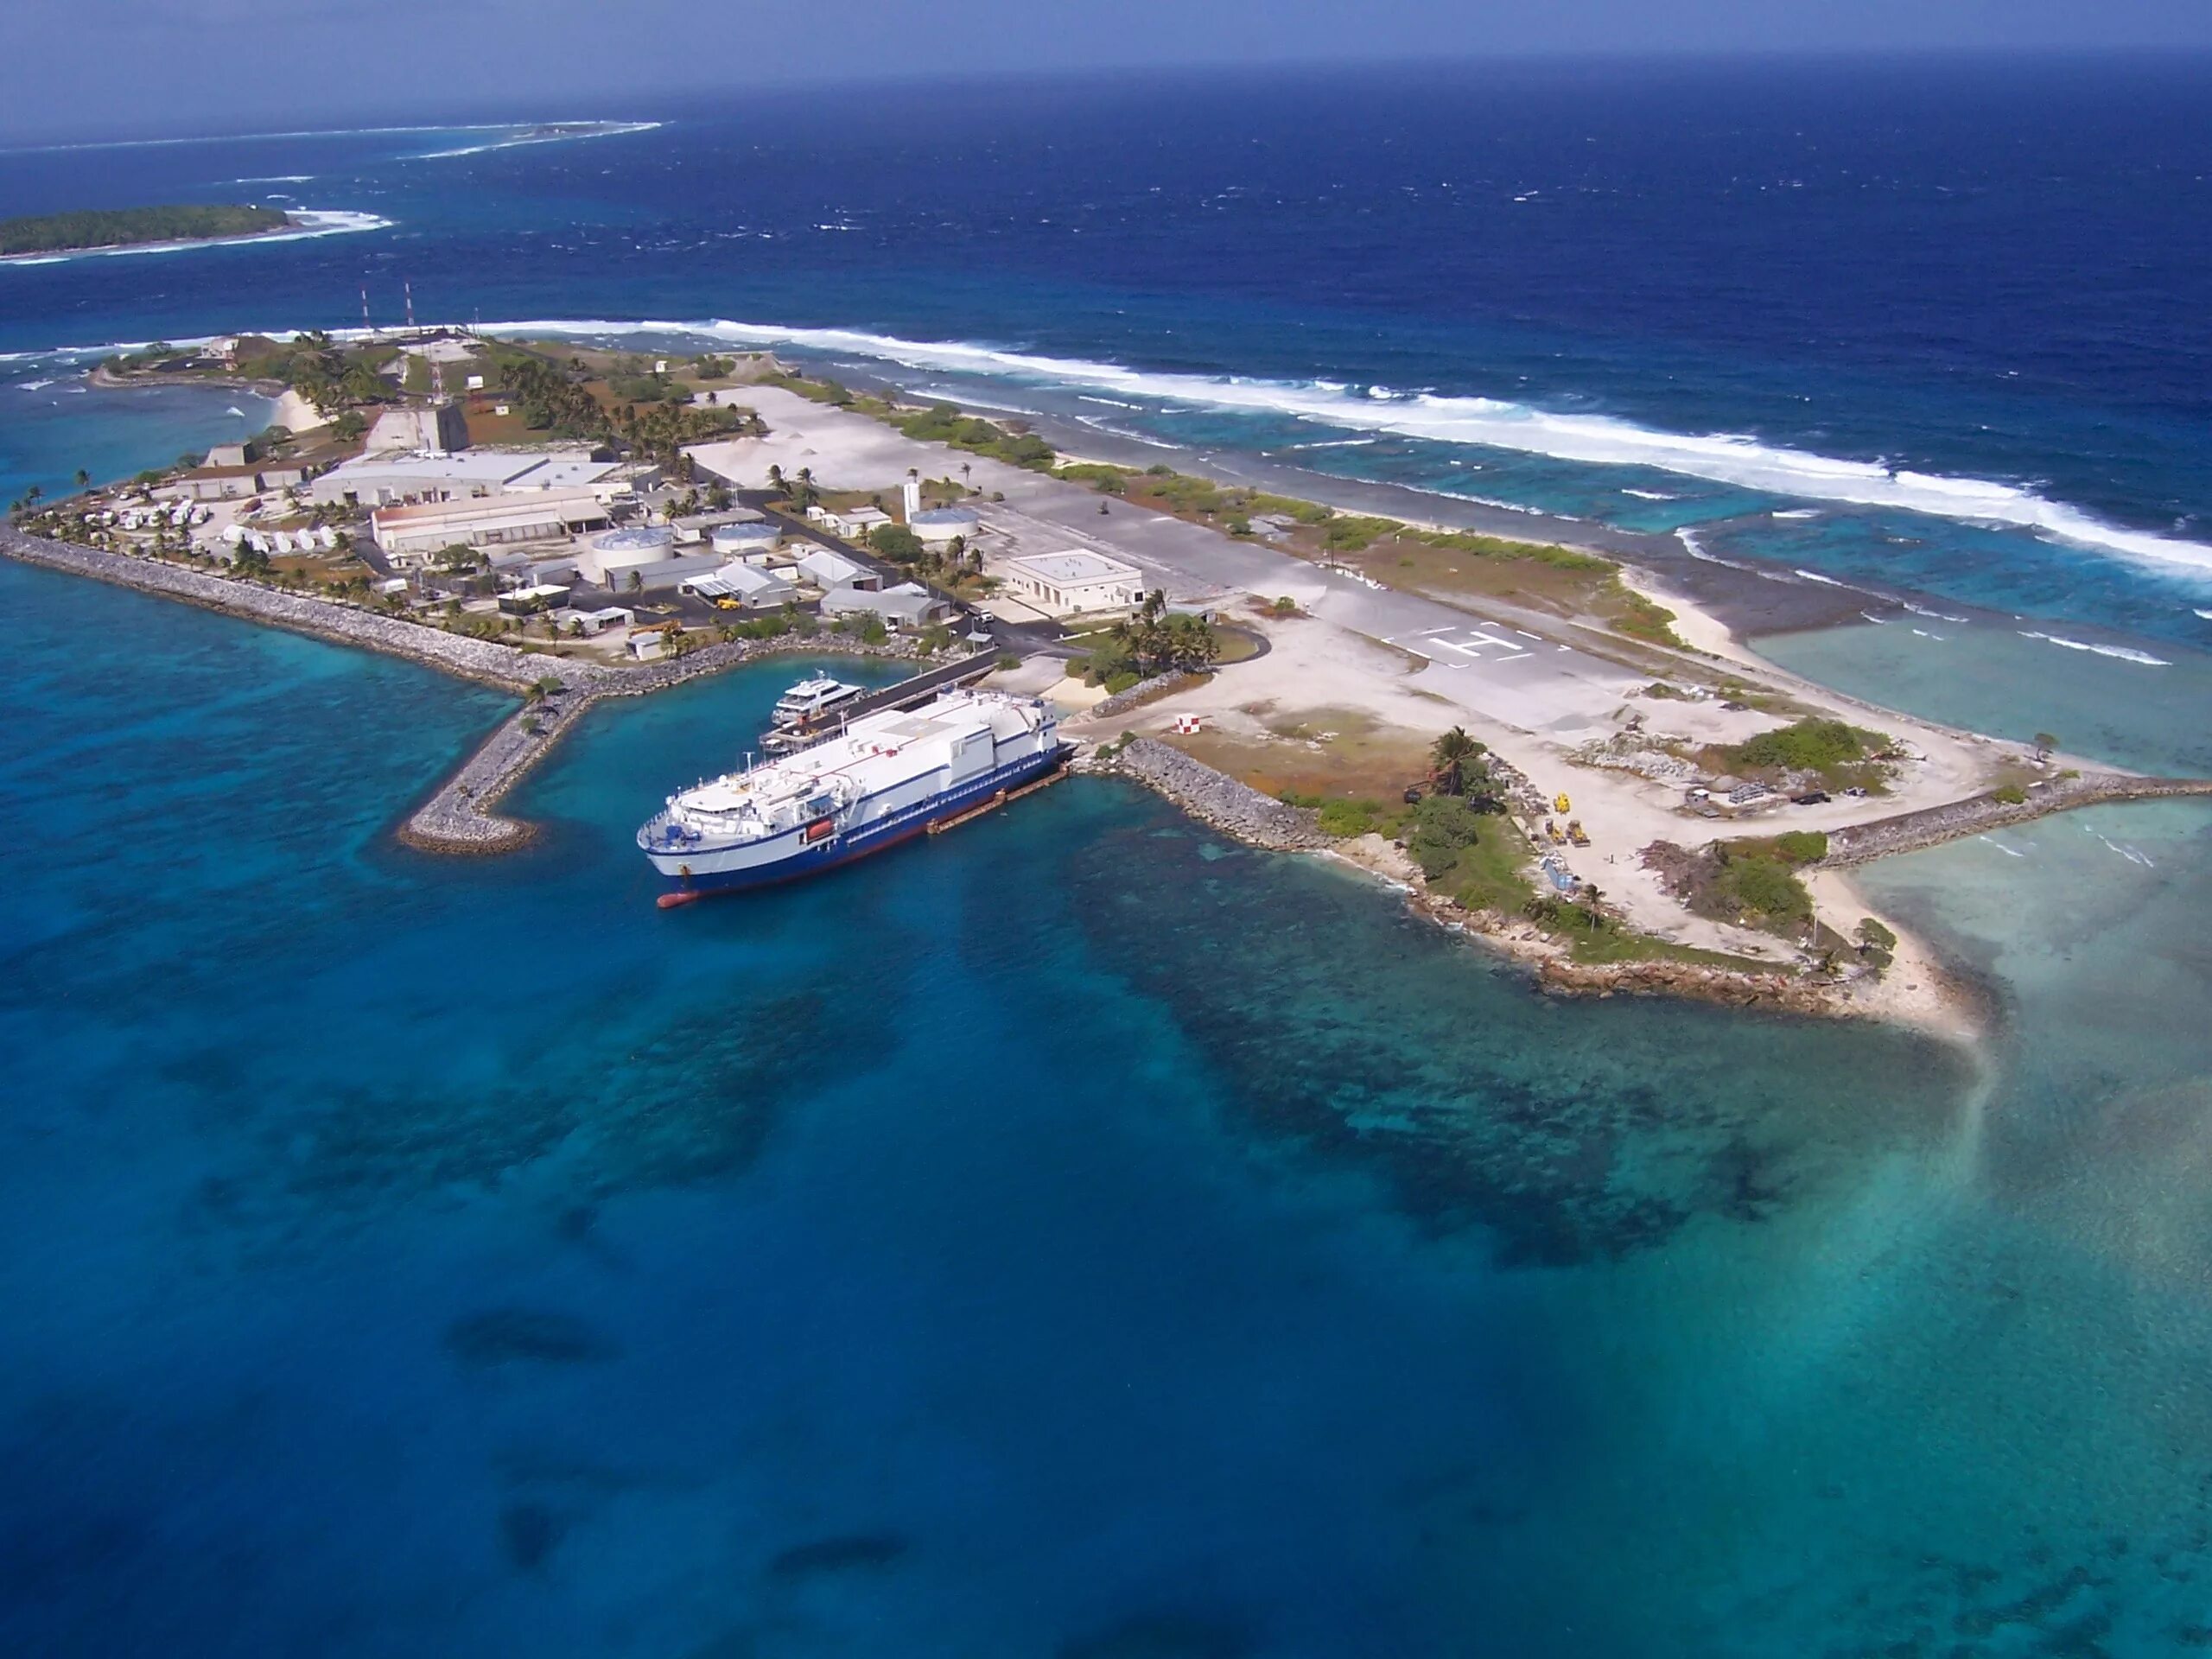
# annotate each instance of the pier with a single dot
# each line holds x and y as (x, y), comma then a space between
(460, 818)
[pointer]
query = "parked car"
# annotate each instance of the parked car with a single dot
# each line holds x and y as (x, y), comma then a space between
(1810, 798)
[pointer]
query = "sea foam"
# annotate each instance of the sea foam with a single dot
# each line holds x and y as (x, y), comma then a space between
(1723, 458)
(2118, 653)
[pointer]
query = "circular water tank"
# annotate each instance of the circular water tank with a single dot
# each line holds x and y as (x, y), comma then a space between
(740, 539)
(942, 523)
(638, 539)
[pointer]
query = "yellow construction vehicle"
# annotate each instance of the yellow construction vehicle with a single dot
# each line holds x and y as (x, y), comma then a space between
(1575, 833)
(1560, 803)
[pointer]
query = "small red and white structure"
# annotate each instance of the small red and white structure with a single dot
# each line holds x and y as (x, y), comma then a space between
(1188, 725)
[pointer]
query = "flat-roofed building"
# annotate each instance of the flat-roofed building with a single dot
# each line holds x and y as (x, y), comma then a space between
(908, 606)
(411, 534)
(1064, 584)
(222, 483)
(390, 480)
(854, 523)
(697, 526)
(529, 601)
(748, 584)
(436, 429)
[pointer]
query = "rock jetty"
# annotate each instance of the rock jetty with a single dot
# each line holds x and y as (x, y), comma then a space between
(1215, 799)
(1910, 832)
(326, 619)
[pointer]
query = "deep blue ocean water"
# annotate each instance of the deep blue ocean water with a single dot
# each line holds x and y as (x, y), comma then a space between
(1989, 278)
(1077, 1236)
(1074, 1235)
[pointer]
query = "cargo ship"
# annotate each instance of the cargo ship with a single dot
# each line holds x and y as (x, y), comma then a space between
(886, 777)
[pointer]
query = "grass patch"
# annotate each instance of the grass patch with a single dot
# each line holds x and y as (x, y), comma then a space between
(1639, 618)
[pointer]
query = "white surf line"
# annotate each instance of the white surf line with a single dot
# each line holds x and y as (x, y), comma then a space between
(318, 221)
(1735, 459)
(2118, 653)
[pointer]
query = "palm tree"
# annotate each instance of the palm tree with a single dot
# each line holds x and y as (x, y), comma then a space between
(1448, 757)
(84, 478)
(1591, 899)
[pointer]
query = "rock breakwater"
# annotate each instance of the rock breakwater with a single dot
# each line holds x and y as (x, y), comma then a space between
(1215, 799)
(1932, 826)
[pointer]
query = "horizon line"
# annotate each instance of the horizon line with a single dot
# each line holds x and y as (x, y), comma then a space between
(625, 105)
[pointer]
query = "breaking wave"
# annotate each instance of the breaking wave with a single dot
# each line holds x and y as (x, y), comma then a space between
(2122, 653)
(1723, 458)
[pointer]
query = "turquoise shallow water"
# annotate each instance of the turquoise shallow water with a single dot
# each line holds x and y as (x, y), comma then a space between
(1072, 1235)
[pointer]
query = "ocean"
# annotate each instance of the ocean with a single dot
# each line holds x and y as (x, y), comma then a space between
(1078, 1235)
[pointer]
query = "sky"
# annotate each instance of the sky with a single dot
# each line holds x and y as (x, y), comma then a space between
(83, 69)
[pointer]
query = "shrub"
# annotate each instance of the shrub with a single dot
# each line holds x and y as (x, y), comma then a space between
(896, 543)
(1117, 683)
(1443, 826)
(1286, 606)
(2011, 795)
(1801, 846)
(1808, 746)
(1875, 936)
(1767, 887)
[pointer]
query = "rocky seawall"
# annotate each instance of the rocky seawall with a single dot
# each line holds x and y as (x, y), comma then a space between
(326, 619)
(1215, 799)
(1909, 832)
(460, 817)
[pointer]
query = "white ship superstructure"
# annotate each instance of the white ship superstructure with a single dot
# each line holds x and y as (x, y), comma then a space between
(886, 777)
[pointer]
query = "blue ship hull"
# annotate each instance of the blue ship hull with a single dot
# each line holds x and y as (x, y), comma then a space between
(885, 832)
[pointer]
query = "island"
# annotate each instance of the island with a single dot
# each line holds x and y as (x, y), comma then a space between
(119, 227)
(1549, 739)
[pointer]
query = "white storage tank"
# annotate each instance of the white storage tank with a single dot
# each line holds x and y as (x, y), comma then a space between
(744, 541)
(937, 525)
(615, 553)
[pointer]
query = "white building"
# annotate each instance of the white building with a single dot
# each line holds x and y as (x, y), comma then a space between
(1064, 584)
(909, 606)
(827, 569)
(854, 523)
(747, 584)
(412, 534)
(597, 622)
(386, 480)
(435, 429)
